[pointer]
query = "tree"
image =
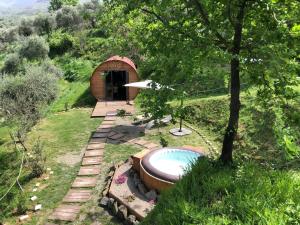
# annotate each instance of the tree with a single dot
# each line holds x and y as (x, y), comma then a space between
(26, 27)
(58, 4)
(253, 37)
(44, 24)
(34, 48)
(12, 64)
(22, 97)
(68, 17)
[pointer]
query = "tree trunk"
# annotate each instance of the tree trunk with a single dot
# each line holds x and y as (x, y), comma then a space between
(232, 126)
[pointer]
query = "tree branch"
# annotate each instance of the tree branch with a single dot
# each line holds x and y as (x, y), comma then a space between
(205, 18)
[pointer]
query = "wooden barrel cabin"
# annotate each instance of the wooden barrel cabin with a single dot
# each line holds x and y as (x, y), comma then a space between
(108, 80)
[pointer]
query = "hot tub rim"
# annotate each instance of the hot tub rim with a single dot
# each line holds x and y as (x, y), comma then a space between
(157, 173)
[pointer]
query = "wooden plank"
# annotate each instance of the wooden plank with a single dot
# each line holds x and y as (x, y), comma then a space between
(81, 182)
(140, 142)
(89, 170)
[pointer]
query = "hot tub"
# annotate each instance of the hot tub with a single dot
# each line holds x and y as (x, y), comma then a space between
(159, 169)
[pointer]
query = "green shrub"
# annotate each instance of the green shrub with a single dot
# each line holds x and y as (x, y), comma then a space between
(212, 194)
(77, 69)
(25, 28)
(68, 17)
(37, 160)
(44, 24)
(22, 97)
(60, 42)
(34, 48)
(12, 64)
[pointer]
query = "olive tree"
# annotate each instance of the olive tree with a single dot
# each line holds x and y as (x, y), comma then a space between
(68, 17)
(26, 27)
(12, 64)
(34, 48)
(44, 24)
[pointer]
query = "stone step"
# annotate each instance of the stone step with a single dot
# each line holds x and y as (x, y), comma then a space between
(100, 135)
(95, 146)
(106, 126)
(107, 122)
(116, 136)
(110, 118)
(89, 170)
(65, 213)
(151, 145)
(91, 161)
(81, 182)
(104, 130)
(77, 196)
(97, 140)
(92, 153)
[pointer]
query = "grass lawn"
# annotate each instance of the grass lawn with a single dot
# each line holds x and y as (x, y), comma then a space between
(64, 135)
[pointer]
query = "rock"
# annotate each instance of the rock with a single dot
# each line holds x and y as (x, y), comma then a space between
(111, 202)
(33, 198)
(141, 188)
(38, 207)
(23, 217)
(150, 125)
(115, 208)
(122, 212)
(151, 195)
(110, 174)
(167, 119)
(136, 180)
(105, 191)
(130, 220)
(104, 201)
(34, 189)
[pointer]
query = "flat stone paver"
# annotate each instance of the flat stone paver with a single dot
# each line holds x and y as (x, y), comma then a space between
(151, 145)
(92, 153)
(97, 140)
(91, 160)
(110, 118)
(81, 182)
(106, 126)
(108, 122)
(104, 130)
(65, 213)
(116, 136)
(77, 196)
(95, 146)
(89, 170)
(140, 142)
(100, 135)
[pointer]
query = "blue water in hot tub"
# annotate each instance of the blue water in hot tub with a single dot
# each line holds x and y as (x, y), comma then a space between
(173, 161)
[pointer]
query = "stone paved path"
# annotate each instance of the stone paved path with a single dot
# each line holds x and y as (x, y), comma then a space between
(82, 187)
(86, 180)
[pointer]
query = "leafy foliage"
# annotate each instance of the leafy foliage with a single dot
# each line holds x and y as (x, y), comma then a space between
(23, 96)
(60, 42)
(44, 24)
(212, 194)
(12, 64)
(34, 48)
(57, 4)
(68, 18)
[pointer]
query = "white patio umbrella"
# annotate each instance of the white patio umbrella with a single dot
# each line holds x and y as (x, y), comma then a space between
(143, 84)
